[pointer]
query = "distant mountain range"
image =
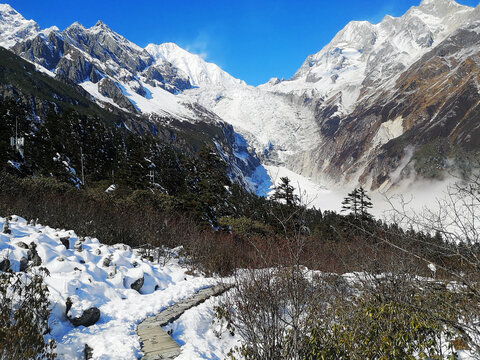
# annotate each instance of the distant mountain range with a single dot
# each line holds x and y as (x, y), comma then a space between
(380, 103)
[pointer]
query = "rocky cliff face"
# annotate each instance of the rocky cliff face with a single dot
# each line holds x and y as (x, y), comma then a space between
(84, 55)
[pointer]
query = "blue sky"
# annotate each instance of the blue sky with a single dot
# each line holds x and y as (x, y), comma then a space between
(251, 39)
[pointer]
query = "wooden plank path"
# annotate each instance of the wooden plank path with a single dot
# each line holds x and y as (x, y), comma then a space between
(156, 342)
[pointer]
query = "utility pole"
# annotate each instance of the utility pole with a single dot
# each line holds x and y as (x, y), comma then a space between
(16, 133)
(151, 176)
(16, 142)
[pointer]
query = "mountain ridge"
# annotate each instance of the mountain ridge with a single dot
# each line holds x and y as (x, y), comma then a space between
(293, 123)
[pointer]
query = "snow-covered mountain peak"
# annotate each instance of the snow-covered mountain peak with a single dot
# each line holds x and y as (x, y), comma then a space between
(438, 8)
(101, 28)
(75, 25)
(104, 43)
(200, 72)
(368, 55)
(14, 27)
(101, 24)
(6, 8)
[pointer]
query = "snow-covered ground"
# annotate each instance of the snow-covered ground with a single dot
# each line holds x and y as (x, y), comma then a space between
(196, 333)
(82, 276)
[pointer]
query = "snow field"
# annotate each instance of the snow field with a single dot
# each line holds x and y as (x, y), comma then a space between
(82, 276)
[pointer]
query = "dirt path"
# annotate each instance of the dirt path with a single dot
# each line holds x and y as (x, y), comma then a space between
(156, 343)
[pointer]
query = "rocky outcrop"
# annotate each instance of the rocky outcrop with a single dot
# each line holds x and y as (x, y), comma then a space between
(74, 66)
(79, 54)
(110, 89)
(101, 43)
(168, 77)
(46, 50)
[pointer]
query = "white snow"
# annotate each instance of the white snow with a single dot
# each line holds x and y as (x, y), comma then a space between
(14, 27)
(388, 130)
(198, 70)
(197, 335)
(82, 277)
(266, 120)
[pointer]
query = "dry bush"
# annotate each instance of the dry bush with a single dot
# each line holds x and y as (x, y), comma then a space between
(24, 312)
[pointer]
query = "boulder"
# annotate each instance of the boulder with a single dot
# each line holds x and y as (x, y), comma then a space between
(88, 318)
(33, 256)
(21, 245)
(23, 263)
(6, 229)
(88, 352)
(78, 246)
(107, 261)
(36, 260)
(137, 284)
(4, 265)
(65, 241)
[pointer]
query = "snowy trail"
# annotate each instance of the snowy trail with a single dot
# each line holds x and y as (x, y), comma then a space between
(93, 274)
(156, 342)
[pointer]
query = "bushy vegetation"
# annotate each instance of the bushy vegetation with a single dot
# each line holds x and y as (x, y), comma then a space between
(390, 318)
(24, 311)
(413, 294)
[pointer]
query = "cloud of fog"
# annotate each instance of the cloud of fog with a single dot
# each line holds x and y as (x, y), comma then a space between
(199, 45)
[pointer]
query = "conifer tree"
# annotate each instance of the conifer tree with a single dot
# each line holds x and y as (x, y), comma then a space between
(358, 202)
(285, 191)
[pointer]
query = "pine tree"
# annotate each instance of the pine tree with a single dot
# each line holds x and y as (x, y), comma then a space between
(365, 203)
(285, 191)
(358, 203)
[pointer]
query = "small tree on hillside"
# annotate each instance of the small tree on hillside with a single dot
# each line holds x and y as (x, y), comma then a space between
(358, 202)
(285, 191)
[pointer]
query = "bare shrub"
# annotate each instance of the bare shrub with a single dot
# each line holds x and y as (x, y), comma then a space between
(24, 311)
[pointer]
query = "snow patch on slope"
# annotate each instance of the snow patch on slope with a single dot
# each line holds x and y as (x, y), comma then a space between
(388, 130)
